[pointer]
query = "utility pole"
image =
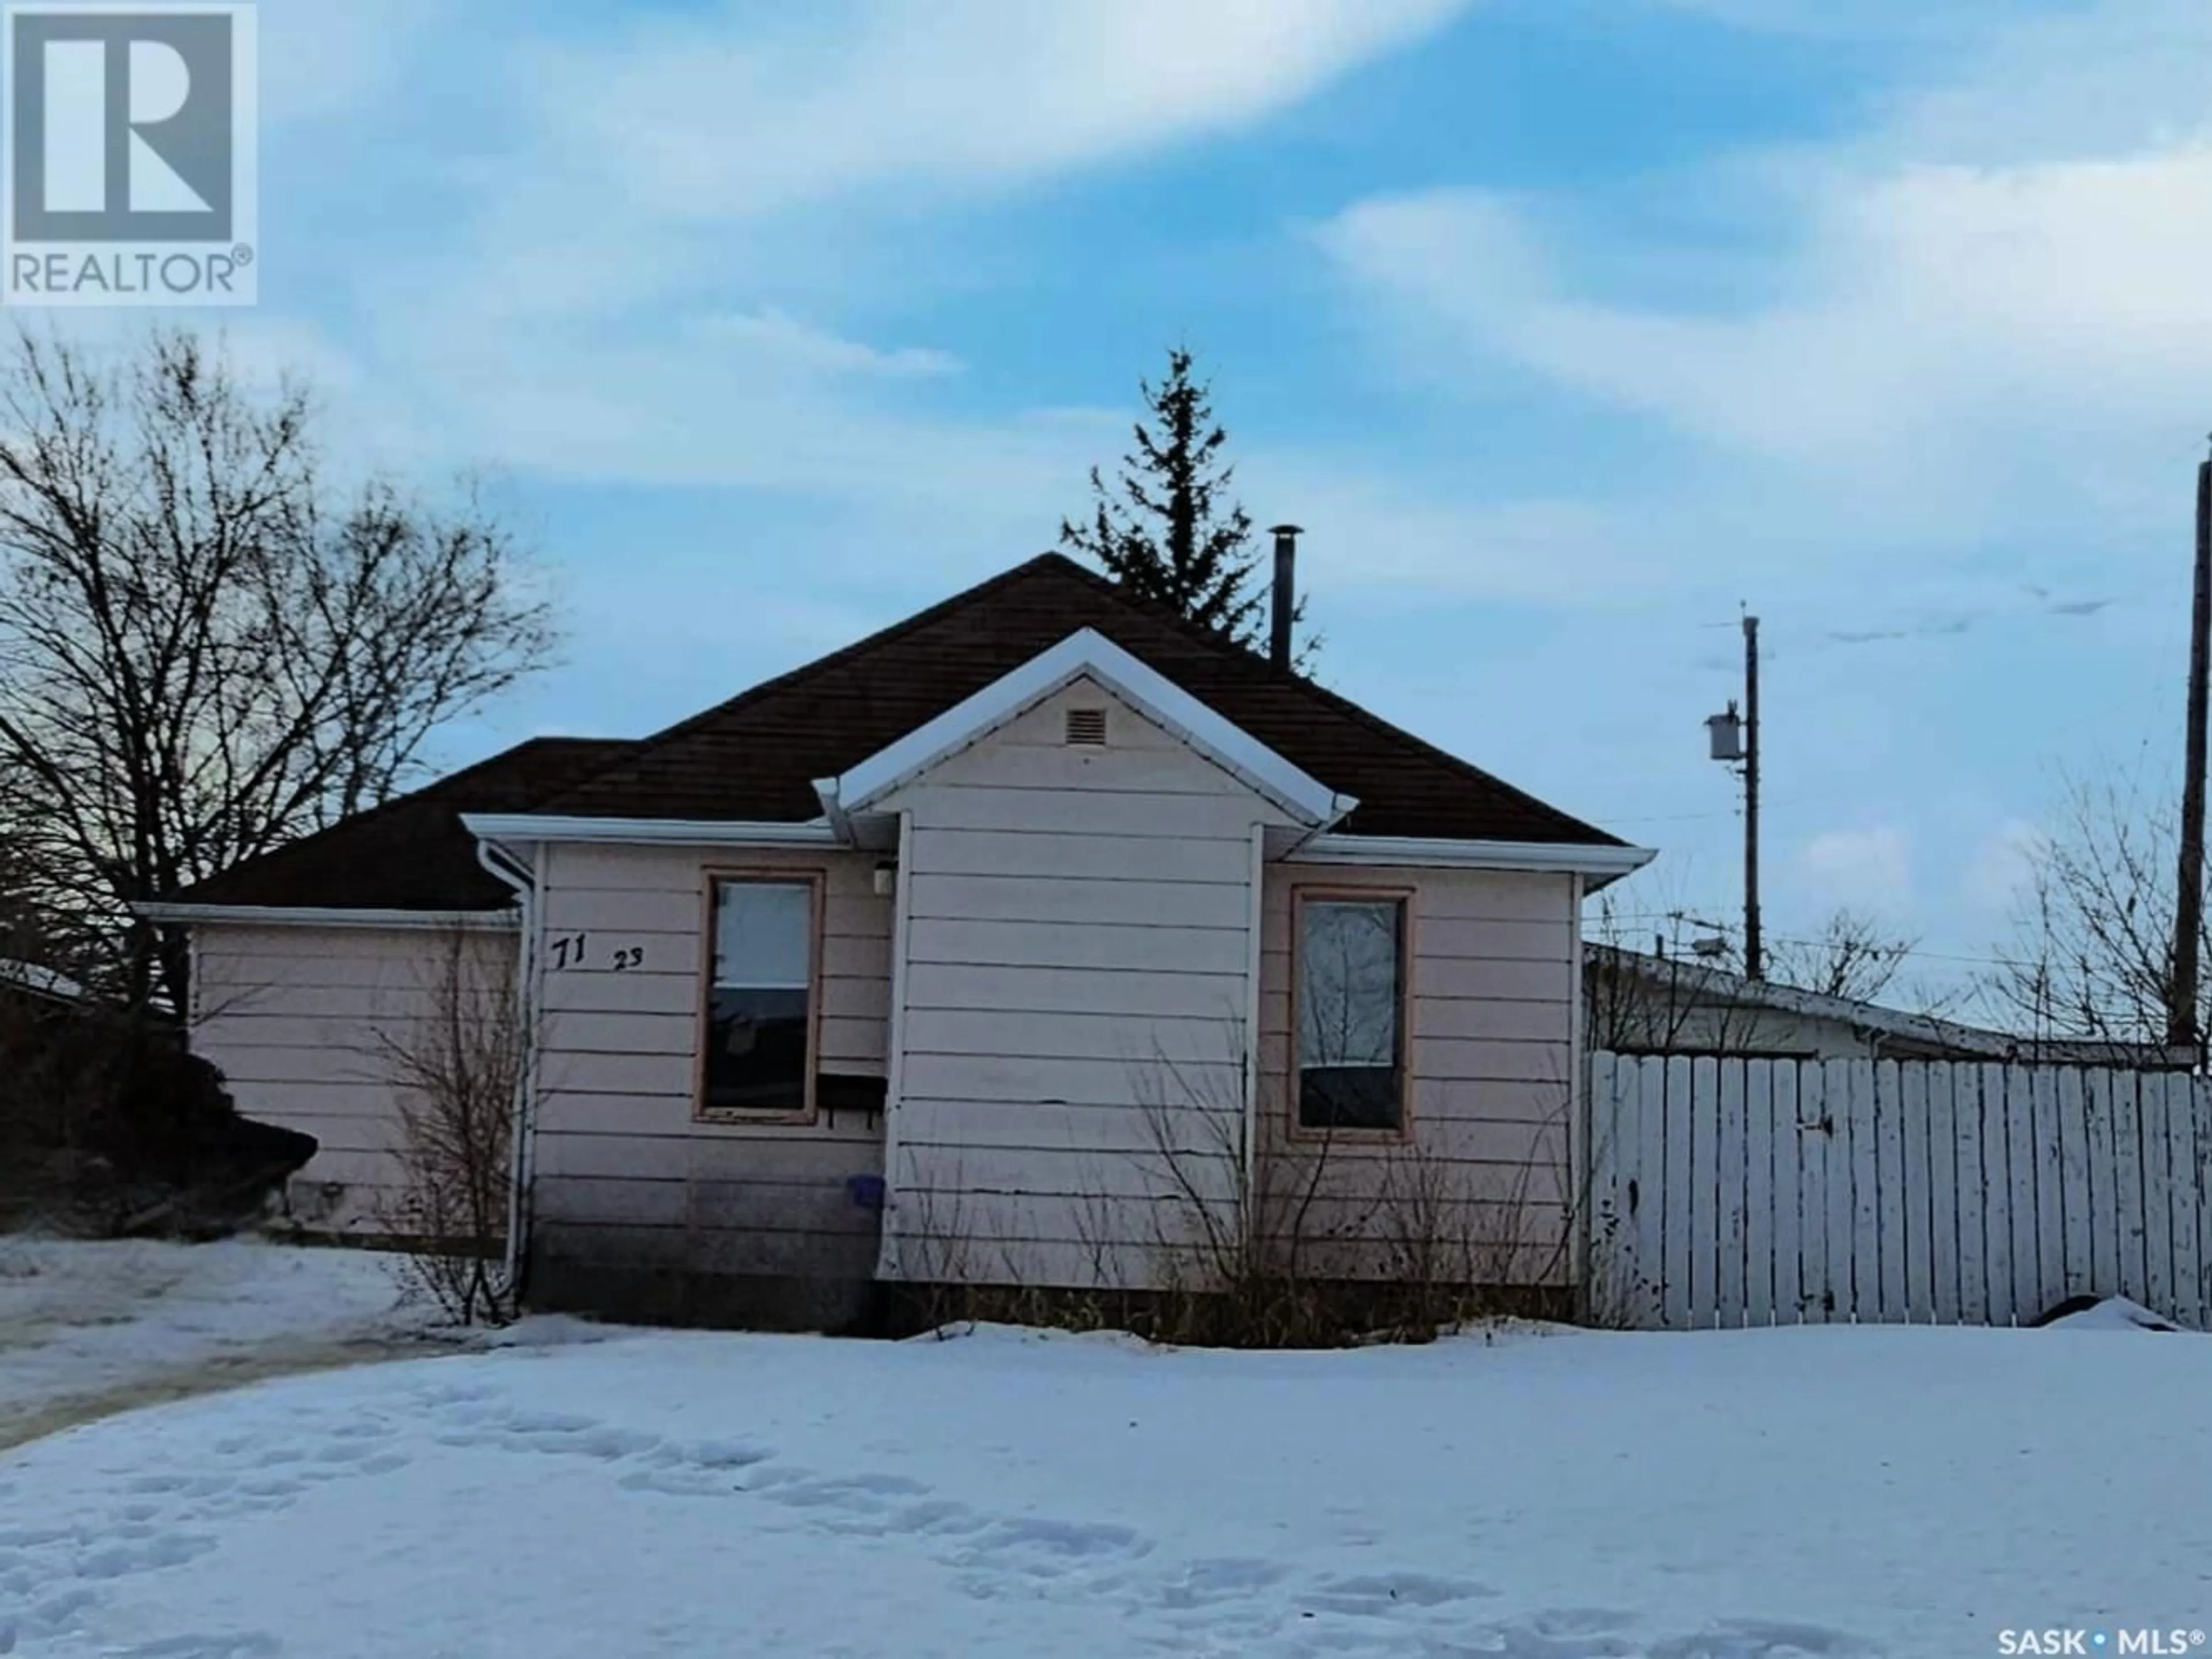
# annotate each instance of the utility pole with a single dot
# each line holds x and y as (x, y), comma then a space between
(1735, 738)
(1754, 959)
(2189, 894)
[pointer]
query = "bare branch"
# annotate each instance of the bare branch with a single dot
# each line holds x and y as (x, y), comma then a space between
(208, 645)
(1852, 957)
(2091, 951)
(457, 1073)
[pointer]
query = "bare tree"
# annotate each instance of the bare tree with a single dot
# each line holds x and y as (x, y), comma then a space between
(209, 645)
(2092, 948)
(56, 1071)
(457, 1072)
(23, 932)
(1657, 1000)
(37, 1112)
(1664, 1000)
(1851, 956)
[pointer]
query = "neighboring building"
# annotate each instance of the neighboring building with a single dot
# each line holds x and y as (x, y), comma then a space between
(1022, 943)
(1637, 1003)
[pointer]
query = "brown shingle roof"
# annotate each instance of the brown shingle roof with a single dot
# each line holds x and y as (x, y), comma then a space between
(410, 853)
(756, 757)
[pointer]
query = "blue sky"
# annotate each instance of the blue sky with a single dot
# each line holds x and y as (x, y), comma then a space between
(1566, 327)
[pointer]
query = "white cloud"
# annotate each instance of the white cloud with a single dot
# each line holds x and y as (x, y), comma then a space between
(321, 58)
(1864, 869)
(730, 159)
(2109, 80)
(1979, 322)
(698, 120)
(736, 408)
(1377, 524)
(799, 345)
(267, 348)
(767, 140)
(1912, 20)
(1928, 302)
(2001, 865)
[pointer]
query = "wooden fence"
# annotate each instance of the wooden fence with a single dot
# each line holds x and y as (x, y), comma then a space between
(1732, 1191)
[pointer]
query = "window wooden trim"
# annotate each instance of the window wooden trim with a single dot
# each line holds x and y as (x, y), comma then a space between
(1294, 1089)
(712, 878)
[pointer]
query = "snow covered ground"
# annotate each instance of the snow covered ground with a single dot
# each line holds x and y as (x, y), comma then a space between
(90, 1328)
(1811, 1491)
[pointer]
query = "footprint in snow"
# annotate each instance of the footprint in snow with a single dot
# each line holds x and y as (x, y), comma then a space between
(866, 1494)
(704, 1468)
(251, 1645)
(1564, 1633)
(1391, 1593)
(126, 1558)
(1760, 1638)
(1206, 1584)
(1050, 1549)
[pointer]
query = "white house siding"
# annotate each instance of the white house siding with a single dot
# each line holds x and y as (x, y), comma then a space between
(1076, 979)
(1480, 1176)
(641, 1207)
(299, 1019)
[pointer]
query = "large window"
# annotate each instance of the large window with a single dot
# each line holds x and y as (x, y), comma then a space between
(760, 1000)
(1352, 996)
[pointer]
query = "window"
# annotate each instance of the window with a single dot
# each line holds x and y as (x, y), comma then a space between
(1352, 994)
(760, 999)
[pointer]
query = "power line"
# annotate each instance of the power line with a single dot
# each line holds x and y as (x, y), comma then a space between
(1915, 953)
(1668, 817)
(1731, 929)
(1793, 802)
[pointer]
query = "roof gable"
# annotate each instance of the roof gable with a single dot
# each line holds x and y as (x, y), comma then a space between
(757, 757)
(1086, 654)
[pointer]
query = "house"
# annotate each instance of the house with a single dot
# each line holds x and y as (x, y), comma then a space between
(1637, 1003)
(1035, 940)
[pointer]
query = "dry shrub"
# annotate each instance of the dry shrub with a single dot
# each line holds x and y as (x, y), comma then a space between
(1270, 1264)
(1231, 1263)
(949, 1278)
(457, 1072)
(1255, 1245)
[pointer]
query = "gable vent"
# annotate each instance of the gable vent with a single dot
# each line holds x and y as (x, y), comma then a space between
(1087, 727)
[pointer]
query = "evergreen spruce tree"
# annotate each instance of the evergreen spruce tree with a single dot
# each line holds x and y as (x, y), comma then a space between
(1168, 531)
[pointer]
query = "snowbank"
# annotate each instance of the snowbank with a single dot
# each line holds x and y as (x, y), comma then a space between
(1813, 1492)
(2114, 1313)
(91, 1328)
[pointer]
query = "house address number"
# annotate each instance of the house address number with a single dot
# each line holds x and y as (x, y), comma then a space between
(575, 950)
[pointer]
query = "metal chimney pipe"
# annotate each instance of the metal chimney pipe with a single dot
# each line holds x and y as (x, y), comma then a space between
(1286, 592)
